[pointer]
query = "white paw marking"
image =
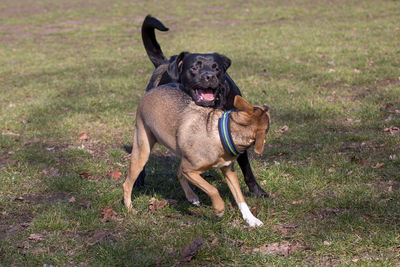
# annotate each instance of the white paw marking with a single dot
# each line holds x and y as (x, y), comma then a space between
(225, 164)
(220, 214)
(248, 216)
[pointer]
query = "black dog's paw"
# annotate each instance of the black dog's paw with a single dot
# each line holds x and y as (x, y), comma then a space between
(258, 192)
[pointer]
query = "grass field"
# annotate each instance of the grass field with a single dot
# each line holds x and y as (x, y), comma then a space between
(72, 73)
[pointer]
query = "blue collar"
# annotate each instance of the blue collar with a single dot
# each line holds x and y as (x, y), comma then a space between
(225, 134)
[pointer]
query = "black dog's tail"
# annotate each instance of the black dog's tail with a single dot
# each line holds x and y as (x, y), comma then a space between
(150, 43)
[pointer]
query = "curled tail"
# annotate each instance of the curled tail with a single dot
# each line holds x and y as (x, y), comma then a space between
(150, 43)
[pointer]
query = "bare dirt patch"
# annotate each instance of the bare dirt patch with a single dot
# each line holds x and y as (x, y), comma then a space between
(6, 160)
(12, 223)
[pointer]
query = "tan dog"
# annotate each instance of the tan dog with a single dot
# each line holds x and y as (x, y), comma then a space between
(168, 115)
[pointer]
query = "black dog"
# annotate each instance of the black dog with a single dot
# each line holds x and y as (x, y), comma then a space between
(205, 78)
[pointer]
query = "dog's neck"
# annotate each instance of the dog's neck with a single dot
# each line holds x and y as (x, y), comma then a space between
(243, 135)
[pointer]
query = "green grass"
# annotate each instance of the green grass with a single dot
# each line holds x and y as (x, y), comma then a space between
(329, 70)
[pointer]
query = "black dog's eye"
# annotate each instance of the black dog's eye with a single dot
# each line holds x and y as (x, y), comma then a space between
(215, 67)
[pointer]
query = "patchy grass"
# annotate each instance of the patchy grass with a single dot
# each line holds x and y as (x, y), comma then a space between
(329, 70)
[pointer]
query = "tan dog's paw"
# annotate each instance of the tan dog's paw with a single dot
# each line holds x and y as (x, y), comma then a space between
(251, 220)
(195, 201)
(220, 214)
(129, 206)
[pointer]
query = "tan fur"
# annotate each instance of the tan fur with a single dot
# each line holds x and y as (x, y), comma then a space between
(169, 116)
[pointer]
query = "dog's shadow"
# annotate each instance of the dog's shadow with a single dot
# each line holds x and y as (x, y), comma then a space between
(161, 179)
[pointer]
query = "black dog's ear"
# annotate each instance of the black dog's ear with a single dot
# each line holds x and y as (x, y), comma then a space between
(175, 67)
(226, 62)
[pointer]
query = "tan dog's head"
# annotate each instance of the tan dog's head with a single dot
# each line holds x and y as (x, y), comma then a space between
(257, 118)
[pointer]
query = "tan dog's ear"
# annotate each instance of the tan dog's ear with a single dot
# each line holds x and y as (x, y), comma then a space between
(260, 140)
(266, 108)
(243, 105)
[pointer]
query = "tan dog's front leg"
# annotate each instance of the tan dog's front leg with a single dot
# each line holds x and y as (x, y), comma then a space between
(195, 178)
(233, 184)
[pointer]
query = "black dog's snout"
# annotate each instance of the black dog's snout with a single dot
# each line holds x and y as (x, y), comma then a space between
(209, 76)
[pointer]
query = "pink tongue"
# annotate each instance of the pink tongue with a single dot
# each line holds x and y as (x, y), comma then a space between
(208, 96)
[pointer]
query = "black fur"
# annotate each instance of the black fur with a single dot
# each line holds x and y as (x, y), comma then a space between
(178, 71)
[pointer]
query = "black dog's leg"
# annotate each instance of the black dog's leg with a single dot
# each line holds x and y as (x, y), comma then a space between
(249, 178)
(140, 180)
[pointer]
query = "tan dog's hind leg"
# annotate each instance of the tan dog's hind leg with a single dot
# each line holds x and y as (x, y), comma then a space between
(233, 184)
(190, 195)
(195, 178)
(143, 141)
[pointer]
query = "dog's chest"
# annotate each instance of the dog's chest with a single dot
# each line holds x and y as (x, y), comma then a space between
(224, 164)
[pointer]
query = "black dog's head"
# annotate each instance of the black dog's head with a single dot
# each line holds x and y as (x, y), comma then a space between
(202, 74)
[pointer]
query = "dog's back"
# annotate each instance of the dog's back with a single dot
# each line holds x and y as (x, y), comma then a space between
(163, 111)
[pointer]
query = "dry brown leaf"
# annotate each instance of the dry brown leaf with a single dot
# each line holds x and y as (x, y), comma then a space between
(85, 203)
(283, 129)
(36, 237)
(214, 241)
(358, 160)
(283, 248)
(157, 204)
(108, 214)
(19, 199)
(83, 136)
(99, 235)
(254, 210)
(191, 250)
(86, 175)
(378, 165)
(392, 130)
(114, 174)
(51, 172)
(10, 134)
(71, 200)
(297, 202)
(271, 212)
(286, 229)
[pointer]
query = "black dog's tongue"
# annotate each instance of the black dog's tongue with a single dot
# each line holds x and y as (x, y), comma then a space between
(205, 94)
